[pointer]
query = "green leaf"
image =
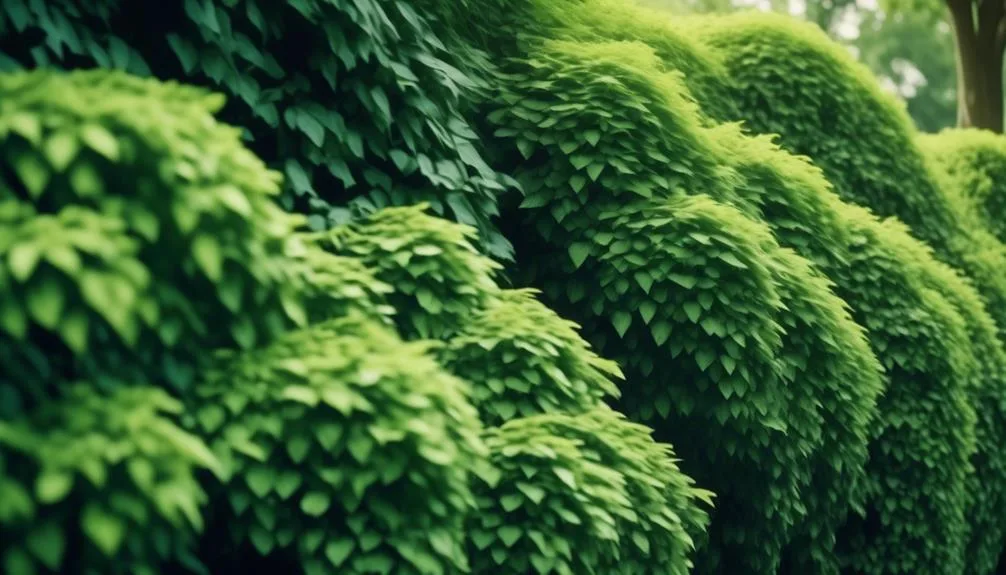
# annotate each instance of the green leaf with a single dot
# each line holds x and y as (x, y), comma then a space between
(61, 149)
(104, 529)
(693, 310)
(52, 486)
(315, 503)
(260, 480)
(45, 302)
(206, 251)
(339, 550)
(621, 321)
(533, 492)
(578, 252)
(509, 534)
(99, 139)
(22, 260)
(48, 544)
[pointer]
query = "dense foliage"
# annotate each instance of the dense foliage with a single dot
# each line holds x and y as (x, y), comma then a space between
(358, 103)
(303, 429)
(195, 379)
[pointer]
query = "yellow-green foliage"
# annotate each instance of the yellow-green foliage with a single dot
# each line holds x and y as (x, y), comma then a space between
(975, 161)
(347, 446)
(108, 480)
(887, 278)
(526, 360)
(788, 78)
(133, 220)
(585, 494)
(711, 319)
(972, 163)
(438, 276)
(142, 245)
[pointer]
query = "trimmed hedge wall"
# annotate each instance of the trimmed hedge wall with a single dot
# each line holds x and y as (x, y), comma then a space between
(194, 380)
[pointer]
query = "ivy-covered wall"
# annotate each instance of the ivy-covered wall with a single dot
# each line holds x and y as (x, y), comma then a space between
(545, 286)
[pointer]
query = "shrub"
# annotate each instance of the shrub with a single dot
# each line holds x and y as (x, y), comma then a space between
(604, 143)
(133, 221)
(439, 279)
(100, 482)
(915, 516)
(139, 236)
(524, 360)
(969, 160)
(975, 161)
(313, 83)
(896, 289)
(588, 493)
(789, 78)
(346, 445)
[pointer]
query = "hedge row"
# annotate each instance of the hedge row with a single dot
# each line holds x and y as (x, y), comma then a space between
(364, 397)
(617, 167)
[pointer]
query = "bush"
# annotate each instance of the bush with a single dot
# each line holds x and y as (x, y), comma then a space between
(789, 78)
(588, 493)
(140, 236)
(314, 85)
(525, 360)
(969, 160)
(439, 279)
(347, 447)
(100, 482)
(975, 161)
(897, 290)
(604, 143)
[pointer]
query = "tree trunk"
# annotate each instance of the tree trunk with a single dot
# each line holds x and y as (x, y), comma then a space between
(979, 64)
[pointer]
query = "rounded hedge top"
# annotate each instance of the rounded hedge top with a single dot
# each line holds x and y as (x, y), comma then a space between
(347, 445)
(439, 279)
(789, 78)
(624, 20)
(590, 493)
(523, 359)
(975, 161)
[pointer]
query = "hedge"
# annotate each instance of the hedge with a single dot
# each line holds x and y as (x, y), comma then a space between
(975, 160)
(275, 415)
(688, 284)
(834, 376)
(789, 78)
(560, 507)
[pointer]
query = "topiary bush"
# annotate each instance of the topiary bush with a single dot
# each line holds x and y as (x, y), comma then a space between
(525, 360)
(975, 161)
(969, 161)
(347, 447)
(662, 278)
(588, 493)
(313, 83)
